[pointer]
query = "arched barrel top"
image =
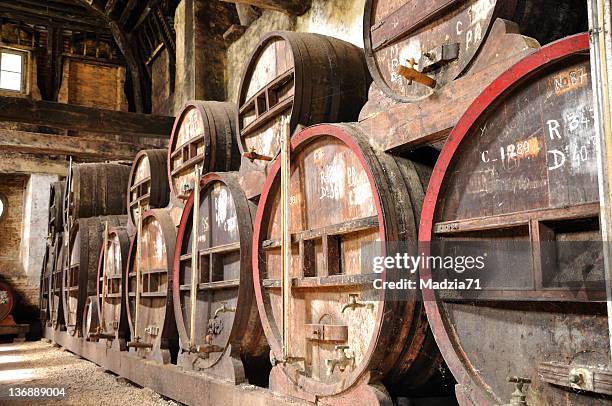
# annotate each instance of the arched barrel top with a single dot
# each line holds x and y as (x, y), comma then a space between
(296, 79)
(148, 185)
(203, 134)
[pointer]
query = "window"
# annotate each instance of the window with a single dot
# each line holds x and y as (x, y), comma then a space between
(12, 64)
(3, 206)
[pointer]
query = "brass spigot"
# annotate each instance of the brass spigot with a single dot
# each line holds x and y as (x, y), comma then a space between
(252, 155)
(518, 397)
(137, 344)
(354, 304)
(224, 309)
(342, 362)
(411, 74)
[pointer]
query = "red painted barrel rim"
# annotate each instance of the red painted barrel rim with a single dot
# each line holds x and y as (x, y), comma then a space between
(169, 241)
(206, 180)
(298, 142)
(507, 82)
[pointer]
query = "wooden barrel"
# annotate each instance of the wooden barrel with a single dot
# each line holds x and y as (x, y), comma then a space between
(80, 266)
(204, 134)
(91, 322)
(97, 189)
(7, 300)
(346, 203)
(518, 180)
(45, 284)
(56, 208)
(297, 79)
(227, 327)
(444, 36)
(153, 335)
(56, 312)
(148, 183)
(112, 266)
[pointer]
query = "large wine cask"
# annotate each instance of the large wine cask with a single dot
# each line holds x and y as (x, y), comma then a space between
(80, 259)
(112, 266)
(44, 286)
(56, 313)
(148, 185)
(347, 203)
(517, 184)
(227, 335)
(443, 37)
(56, 207)
(297, 79)
(204, 134)
(148, 285)
(96, 189)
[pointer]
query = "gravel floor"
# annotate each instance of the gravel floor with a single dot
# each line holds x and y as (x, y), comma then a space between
(38, 364)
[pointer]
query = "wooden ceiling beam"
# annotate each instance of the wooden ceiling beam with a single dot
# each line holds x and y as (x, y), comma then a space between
(127, 11)
(79, 118)
(36, 20)
(292, 7)
(66, 16)
(80, 148)
(110, 7)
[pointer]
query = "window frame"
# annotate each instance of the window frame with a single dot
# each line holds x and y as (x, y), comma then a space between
(4, 202)
(24, 69)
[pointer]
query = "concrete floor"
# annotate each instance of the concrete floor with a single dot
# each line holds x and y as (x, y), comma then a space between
(38, 364)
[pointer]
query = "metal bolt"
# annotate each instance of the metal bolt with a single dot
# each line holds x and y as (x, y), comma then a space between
(576, 379)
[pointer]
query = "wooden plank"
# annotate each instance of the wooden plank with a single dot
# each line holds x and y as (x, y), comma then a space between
(339, 229)
(516, 219)
(294, 7)
(65, 16)
(51, 144)
(81, 118)
(22, 163)
(327, 282)
(406, 19)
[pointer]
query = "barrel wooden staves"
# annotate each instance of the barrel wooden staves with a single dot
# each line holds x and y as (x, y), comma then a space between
(203, 134)
(7, 301)
(150, 311)
(112, 265)
(80, 266)
(56, 208)
(227, 331)
(443, 37)
(56, 312)
(344, 338)
(45, 285)
(518, 176)
(148, 184)
(96, 189)
(297, 79)
(91, 322)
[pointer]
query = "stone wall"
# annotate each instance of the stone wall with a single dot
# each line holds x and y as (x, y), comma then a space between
(24, 231)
